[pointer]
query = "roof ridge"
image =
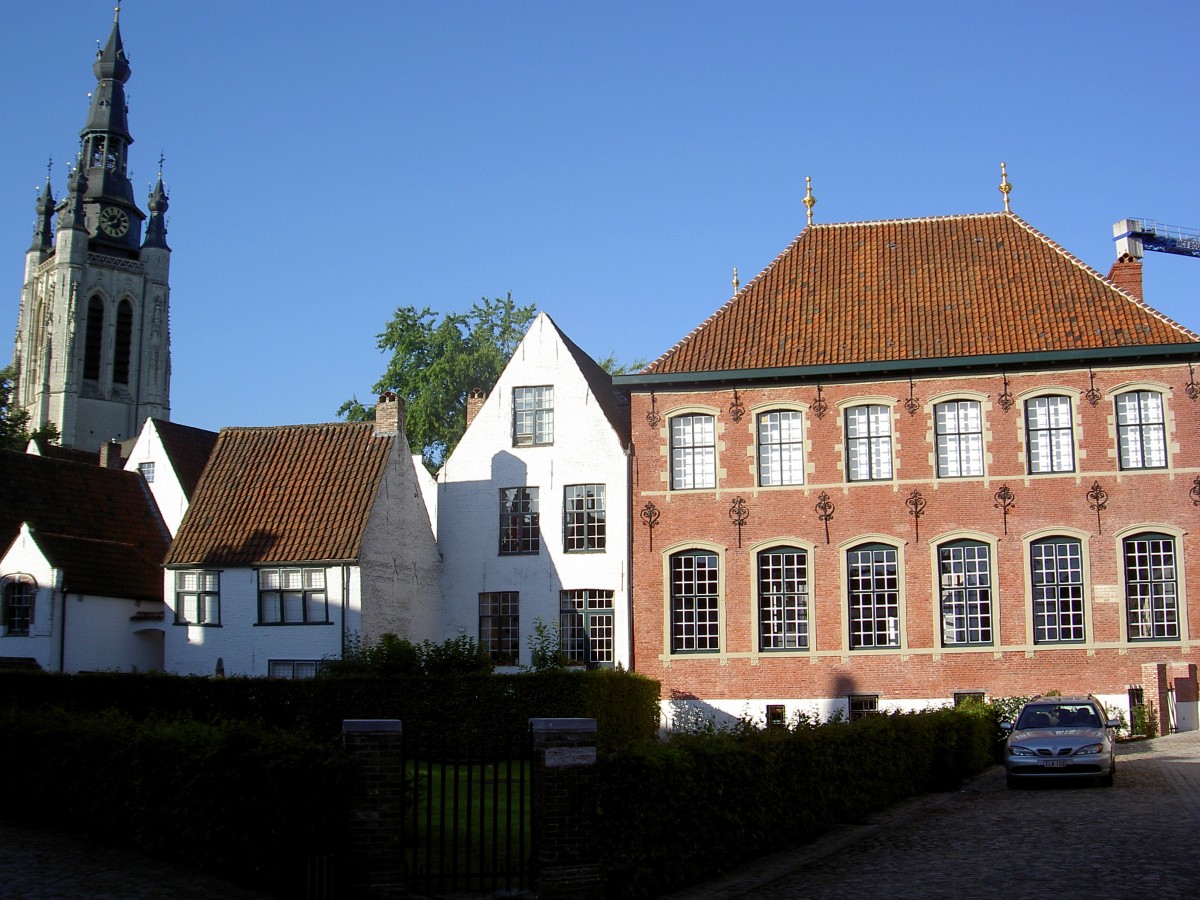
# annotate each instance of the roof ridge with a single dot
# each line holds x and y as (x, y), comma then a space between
(365, 422)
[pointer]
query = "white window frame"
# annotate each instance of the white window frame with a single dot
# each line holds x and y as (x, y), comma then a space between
(1050, 434)
(693, 451)
(1141, 430)
(958, 426)
(198, 597)
(533, 415)
(868, 442)
(780, 447)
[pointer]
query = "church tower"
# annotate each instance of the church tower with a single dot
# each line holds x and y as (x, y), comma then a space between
(92, 351)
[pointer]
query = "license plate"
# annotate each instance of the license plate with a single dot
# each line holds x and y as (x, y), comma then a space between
(1054, 763)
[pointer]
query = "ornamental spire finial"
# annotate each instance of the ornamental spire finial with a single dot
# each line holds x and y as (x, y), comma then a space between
(809, 200)
(736, 283)
(1005, 187)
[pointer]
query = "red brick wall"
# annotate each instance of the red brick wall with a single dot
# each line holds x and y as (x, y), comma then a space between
(1107, 663)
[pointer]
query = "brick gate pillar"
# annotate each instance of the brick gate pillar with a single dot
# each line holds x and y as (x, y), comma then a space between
(566, 859)
(374, 869)
(1154, 690)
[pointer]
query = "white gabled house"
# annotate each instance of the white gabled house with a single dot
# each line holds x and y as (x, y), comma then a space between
(298, 540)
(533, 509)
(81, 548)
(170, 457)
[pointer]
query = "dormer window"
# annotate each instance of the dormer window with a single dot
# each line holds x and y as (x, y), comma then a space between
(533, 416)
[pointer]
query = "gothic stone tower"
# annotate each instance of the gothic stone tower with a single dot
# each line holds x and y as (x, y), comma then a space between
(92, 350)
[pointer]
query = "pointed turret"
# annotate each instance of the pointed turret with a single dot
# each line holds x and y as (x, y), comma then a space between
(156, 227)
(43, 230)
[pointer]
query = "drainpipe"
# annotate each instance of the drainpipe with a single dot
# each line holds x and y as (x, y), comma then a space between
(629, 552)
(62, 625)
(345, 604)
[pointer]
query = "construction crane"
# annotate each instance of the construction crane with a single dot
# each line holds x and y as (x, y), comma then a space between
(1133, 236)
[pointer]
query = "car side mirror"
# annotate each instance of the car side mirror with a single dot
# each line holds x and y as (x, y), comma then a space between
(1113, 723)
(1006, 726)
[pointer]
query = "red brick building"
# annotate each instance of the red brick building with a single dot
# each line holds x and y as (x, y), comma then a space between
(916, 459)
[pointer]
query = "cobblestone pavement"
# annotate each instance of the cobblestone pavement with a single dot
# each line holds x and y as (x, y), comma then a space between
(1066, 841)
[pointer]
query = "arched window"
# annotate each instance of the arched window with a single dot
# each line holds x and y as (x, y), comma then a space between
(783, 599)
(121, 348)
(1151, 587)
(18, 606)
(93, 339)
(1141, 430)
(1057, 578)
(868, 443)
(873, 581)
(1049, 433)
(780, 448)
(695, 602)
(693, 452)
(965, 571)
(959, 426)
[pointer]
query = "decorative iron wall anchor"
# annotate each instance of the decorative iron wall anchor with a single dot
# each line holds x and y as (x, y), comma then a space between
(736, 409)
(820, 405)
(825, 510)
(1191, 388)
(1004, 502)
(652, 417)
(916, 509)
(1097, 500)
(738, 514)
(912, 404)
(650, 516)
(1091, 394)
(1005, 399)
(1194, 493)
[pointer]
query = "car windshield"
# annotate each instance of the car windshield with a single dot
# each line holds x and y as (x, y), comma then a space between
(1059, 715)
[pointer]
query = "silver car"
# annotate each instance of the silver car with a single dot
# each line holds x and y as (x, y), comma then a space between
(1060, 737)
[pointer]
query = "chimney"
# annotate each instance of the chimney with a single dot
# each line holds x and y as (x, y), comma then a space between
(110, 455)
(389, 414)
(475, 400)
(1126, 273)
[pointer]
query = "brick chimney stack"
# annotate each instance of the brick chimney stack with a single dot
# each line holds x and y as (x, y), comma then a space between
(475, 400)
(110, 455)
(1126, 273)
(389, 414)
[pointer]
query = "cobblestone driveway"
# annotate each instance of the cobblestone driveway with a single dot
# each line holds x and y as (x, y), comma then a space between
(1140, 838)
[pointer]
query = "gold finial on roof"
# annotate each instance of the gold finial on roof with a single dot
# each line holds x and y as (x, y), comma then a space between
(1005, 187)
(809, 200)
(736, 283)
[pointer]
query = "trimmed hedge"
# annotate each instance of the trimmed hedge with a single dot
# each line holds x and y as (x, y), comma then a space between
(244, 803)
(684, 811)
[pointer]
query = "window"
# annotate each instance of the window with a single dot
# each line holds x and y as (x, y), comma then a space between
(863, 705)
(1057, 591)
(124, 339)
(584, 523)
(961, 697)
(197, 597)
(533, 415)
(1048, 431)
(874, 596)
(1141, 434)
(292, 668)
(776, 715)
(966, 582)
(93, 340)
(500, 626)
(783, 599)
(695, 598)
(1151, 593)
(292, 597)
(519, 528)
(693, 452)
(868, 443)
(780, 448)
(959, 426)
(147, 470)
(585, 626)
(18, 607)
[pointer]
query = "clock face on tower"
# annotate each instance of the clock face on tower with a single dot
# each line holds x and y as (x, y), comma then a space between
(113, 221)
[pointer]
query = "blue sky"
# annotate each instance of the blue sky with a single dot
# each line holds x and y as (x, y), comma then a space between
(610, 162)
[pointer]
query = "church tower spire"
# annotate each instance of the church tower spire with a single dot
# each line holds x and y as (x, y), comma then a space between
(92, 350)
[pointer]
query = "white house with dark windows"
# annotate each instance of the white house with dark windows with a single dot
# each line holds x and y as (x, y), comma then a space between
(170, 457)
(533, 509)
(299, 540)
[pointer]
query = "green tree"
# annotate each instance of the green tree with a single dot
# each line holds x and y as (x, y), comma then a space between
(14, 419)
(612, 366)
(434, 363)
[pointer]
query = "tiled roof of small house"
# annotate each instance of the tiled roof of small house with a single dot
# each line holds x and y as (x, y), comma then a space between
(293, 493)
(100, 526)
(918, 289)
(188, 449)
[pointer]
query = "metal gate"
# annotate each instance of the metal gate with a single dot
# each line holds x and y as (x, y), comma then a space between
(467, 811)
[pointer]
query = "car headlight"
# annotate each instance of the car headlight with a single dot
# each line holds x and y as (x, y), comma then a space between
(1090, 748)
(1018, 750)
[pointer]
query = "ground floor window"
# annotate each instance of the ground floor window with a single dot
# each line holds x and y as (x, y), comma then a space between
(292, 597)
(874, 584)
(18, 606)
(862, 705)
(695, 602)
(500, 626)
(966, 583)
(1151, 592)
(292, 668)
(783, 599)
(1057, 570)
(197, 597)
(585, 623)
(961, 697)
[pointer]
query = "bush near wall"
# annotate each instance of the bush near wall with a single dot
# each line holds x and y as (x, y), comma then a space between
(242, 802)
(624, 704)
(686, 810)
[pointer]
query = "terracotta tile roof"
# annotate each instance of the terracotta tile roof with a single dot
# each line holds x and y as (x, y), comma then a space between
(918, 289)
(188, 449)
(296, 493)
(100, 526)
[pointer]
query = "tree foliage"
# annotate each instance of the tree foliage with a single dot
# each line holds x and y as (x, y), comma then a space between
(14, 419)
(434, 363)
